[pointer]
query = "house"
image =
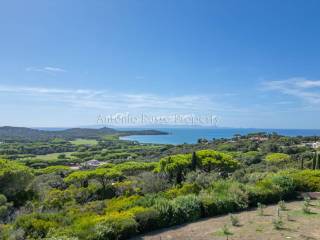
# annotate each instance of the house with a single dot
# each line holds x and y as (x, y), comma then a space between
(313, 145)
(91, 164)
(258, 138)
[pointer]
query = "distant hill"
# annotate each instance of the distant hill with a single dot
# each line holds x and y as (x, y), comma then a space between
(28, 134)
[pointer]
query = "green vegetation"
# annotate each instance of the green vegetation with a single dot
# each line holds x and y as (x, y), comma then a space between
(28, 134)
(49, 191)
(275, 158)
(80, 141)
(234, 220)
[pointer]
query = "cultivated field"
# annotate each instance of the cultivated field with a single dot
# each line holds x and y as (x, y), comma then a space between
(252, 225)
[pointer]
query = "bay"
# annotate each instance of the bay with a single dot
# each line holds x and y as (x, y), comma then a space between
(191, 135)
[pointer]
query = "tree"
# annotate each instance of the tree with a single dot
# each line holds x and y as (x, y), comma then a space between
(105, 176)
(317, 166)
(213, 160)
(14, 178)
(80, 178)
(194, 161)
(314, 160)
(175, 166)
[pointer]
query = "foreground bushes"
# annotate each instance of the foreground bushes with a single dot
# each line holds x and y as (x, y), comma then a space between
(123, 217)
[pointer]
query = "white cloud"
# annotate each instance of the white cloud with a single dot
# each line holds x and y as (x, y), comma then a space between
(47, 69)
(106, 100)
(305, 89)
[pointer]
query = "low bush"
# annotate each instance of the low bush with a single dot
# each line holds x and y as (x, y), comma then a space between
(185, 189)
(147, 218)
(37, 226)
(277, 158)
(165, 209)
(116, 226)
(224, 197)
(152, 183)
(201, 179)
(306, 180)
(185, 209)
(272, 189)
(121, 203)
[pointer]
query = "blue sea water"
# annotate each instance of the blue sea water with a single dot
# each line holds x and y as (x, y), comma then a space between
(191, 135)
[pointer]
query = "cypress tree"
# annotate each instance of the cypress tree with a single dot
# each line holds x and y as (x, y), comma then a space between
(302, 163)
(314, 159)
(318, 161)
(194, 161)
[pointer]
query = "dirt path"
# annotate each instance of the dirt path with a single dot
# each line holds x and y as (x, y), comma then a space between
(298, 225)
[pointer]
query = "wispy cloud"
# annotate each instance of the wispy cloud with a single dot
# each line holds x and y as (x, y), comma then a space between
(305, 89)
(45, 69)
(106, 100)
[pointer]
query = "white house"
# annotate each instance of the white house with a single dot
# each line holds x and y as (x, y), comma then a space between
(313, 144)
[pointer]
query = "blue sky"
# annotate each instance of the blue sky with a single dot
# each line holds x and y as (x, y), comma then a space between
(250, 63)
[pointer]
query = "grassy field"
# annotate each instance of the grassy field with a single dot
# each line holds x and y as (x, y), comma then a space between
(296, 224)
(90, 142)
(51, 156)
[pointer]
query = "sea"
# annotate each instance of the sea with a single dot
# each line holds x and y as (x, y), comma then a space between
(191, 135)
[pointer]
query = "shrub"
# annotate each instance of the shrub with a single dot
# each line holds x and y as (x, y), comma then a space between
(226, 231)
(306, 206)
(234, 220)
(112, 226)
(282, 205)
(165, 209)
(202, 179)
(186, 189)
(224, 197)
(152, 183)
(277, 223)
(149, 200)
(272, 189)
(105, 232)
(121, 203)
(261, 208)
(276, 158)
(125, 188)
(147, 218)
(186, 209)
(36, 225)
(306, 180)
(94, 207)
(121, 225)
(83, 227)
(56, 199)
